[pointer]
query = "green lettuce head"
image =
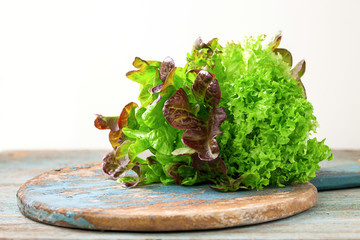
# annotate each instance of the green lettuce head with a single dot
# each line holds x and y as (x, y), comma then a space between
(236, 116)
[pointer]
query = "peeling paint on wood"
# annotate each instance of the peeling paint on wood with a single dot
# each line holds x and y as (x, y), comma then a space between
(83, 197)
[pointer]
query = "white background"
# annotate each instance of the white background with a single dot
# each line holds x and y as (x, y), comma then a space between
(63, 61)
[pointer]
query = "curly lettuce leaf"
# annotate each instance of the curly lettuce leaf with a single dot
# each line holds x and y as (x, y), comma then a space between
(267, 133)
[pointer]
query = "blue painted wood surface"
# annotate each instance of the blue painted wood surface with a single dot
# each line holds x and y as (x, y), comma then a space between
(337, 177)
(336, 215)
(84, 197)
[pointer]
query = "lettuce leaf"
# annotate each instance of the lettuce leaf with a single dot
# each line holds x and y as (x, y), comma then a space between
(117, 161)
(236, 116)
(148, 77)
(269, 124)
(200, 134)
(115, 124)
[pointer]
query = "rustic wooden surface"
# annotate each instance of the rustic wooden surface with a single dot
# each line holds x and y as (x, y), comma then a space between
(83, 196)
(335, 216)
(338, 177)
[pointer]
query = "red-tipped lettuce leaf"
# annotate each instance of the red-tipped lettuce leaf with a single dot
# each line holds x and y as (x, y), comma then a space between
(217, 172)
(204, 55)
(125, 113)
(210, 46)
(169, 83)
(102, 122)
(157, 88)
(199, 43)
(297, 72)
(117, 161)
(173, 172)
(130, 182)
(216, 167)
(202, 81)
(148, 77)
(146, 71)
(207, 88)
(212, 94)
(275, 41)
(199, 135)
(115, 124)
(203, 140)
(166, 66)
(285, 54)
(178, 114)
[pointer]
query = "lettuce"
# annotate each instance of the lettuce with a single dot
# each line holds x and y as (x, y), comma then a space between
(236, 116)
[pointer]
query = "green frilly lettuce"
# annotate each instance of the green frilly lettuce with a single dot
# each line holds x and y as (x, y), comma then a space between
(236, 116)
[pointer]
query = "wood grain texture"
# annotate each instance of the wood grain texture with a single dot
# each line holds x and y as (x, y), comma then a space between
(84, 197)
(336, 215)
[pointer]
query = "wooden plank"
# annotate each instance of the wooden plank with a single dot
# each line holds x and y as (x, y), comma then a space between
(84, 197)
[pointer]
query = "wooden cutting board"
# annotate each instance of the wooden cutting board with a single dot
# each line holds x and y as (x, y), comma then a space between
(84, 197)
(337, 177)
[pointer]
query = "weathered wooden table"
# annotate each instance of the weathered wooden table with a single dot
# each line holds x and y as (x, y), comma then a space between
(335, 216)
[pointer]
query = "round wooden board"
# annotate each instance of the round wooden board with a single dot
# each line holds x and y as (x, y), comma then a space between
(84, 197)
